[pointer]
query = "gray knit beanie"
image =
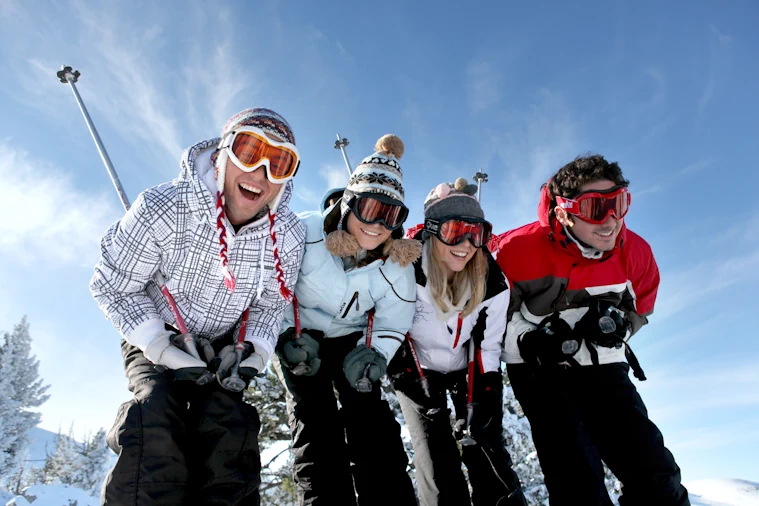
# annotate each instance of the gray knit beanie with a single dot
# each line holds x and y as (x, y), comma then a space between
(453, 199)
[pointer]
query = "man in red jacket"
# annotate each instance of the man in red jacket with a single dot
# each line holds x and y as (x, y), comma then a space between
(582, 284)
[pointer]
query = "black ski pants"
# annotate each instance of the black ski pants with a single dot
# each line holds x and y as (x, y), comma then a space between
(181, 444)
(437, 461)
(583, 415)
(335, 450)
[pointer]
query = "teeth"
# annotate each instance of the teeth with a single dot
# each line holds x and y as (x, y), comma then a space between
(458, 254)
(250, 188)
(372, 234)
(605, 234)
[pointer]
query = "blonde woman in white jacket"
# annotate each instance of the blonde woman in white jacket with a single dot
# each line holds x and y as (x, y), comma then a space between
(460, 320)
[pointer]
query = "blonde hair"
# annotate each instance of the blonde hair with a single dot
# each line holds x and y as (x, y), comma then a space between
(474, 275)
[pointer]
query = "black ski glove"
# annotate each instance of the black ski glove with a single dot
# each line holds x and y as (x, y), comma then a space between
(364, 362)
(487, 402)
(293, 352)
(603, 325)
(552, 342)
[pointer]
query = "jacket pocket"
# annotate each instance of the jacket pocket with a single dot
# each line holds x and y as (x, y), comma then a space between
(350, 304)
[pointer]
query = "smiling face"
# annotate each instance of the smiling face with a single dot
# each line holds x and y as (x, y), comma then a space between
(602, 236)
(368, 236)
(246, 193)
(452, 259)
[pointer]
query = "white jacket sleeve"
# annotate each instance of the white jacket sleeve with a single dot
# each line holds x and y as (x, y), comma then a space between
(394, 314)
(492, 344)
(129, 261)
(267, 313)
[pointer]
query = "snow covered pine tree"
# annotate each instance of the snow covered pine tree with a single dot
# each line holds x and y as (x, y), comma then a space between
(21, 388)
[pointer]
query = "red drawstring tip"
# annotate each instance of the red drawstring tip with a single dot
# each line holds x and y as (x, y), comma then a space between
(229, 279)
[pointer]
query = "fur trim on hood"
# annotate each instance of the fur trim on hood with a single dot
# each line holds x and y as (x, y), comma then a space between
(402, 251)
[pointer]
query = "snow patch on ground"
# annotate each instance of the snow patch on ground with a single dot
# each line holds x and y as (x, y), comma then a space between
(54, 495)
(723, 492)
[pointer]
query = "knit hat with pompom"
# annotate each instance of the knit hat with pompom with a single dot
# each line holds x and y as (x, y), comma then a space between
(453, 200)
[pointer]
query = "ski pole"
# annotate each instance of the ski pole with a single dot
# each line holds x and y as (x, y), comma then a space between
(70, 76)
(467, 440)
(364, 384)
(302, 368)
(422, 378)
(234, 382)
(340, 144)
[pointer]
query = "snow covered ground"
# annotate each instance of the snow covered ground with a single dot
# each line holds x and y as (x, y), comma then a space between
(717, 492)
(723, 492)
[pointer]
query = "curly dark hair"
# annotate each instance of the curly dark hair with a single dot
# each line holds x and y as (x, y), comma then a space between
(580, 171)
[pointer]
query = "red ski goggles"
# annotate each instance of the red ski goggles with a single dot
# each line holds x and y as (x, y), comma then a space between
(455, 230)
(377, 208)
(596, 206)
(249, 148)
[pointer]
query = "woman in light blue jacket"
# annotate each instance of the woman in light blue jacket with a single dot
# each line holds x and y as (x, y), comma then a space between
(355, 299)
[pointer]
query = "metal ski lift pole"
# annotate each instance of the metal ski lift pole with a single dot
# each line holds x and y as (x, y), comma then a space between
(467, 440)
(340, 144)
(480, 177)
(69, 76)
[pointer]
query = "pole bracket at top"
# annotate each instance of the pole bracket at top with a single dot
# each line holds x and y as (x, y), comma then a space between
(67, 74)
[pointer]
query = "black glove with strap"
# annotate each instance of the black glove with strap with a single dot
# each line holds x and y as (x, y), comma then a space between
(603, 325)
(553, 342)
(607, 326)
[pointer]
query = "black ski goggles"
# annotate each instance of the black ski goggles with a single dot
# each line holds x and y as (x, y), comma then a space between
(456, 229)
(377, 208)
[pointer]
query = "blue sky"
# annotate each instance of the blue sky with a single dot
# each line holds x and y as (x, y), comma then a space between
(667, 89)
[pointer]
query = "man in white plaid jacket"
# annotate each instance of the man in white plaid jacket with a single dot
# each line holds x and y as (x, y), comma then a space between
(229, 248)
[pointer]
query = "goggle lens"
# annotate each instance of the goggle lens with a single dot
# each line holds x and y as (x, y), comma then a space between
(453, 232)
(370, 211)
(250, 149)
(597, 208)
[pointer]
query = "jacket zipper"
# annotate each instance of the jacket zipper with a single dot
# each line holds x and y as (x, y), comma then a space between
(350, 304)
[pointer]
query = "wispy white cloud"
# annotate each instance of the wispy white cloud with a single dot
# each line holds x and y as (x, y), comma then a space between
(343, 52)
(684, 288)
(534, 145)
(7, 8)
(713, 437)
(702, 388)
(665, 179)
(307, 195)
(718, 45)
(43, 216)
(336, 176)
(484, 86)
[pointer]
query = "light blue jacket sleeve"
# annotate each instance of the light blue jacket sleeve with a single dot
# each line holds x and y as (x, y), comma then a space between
(394, 312)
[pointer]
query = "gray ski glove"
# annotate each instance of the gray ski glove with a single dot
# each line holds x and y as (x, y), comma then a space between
(363, 362)
(169, 350)
(294, 352)
(228, 358)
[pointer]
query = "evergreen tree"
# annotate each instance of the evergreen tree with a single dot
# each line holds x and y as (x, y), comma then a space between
(267, 395)
(62, 466)
(93, 455)
(20, 389)
(82, 465)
